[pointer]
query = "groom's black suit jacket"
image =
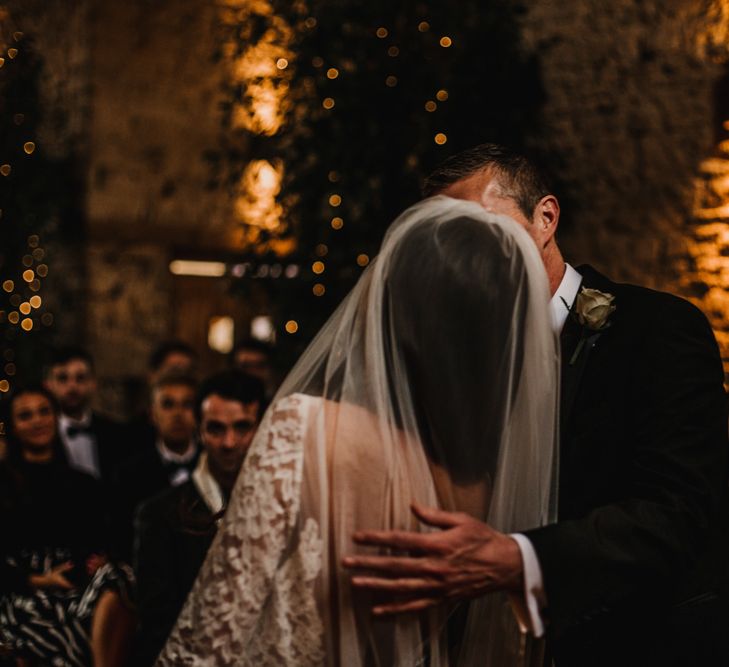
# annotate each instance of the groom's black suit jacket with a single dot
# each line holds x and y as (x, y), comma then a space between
(635, 567)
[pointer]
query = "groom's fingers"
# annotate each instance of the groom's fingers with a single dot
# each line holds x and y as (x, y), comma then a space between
(436, 517)
(403, 607)
(409, 585)
(393, 565)
(399, 539)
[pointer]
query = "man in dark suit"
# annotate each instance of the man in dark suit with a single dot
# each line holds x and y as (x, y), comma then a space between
(174, 529)
(634, 571)
(167, 463)
(93, 443)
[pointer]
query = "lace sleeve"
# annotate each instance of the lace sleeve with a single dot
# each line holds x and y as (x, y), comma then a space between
(253, 602)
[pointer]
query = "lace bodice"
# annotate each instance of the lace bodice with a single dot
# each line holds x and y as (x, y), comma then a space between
(253, 602)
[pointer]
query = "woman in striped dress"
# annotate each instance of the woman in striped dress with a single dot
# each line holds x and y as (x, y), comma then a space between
(62, 602)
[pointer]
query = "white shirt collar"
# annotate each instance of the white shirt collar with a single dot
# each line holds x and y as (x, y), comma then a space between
(564, 297)
(64, 421)
(207, 486)
(168, 456)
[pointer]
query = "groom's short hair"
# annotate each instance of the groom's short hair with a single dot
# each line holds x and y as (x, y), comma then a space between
(520, 177)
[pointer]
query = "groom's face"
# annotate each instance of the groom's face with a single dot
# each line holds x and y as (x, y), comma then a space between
(484, 188)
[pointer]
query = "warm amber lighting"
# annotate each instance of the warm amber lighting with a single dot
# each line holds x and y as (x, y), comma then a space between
(423, 26)
(317, 61)
(39, 254)
(29, 147)
(337, 223)
(28, 276)
(262, 71)
(440, 138)
(382, 33)
(335, 200)
(391, 81)
(259, 187)
(318, 267)
(27, 324)
(445, 42)
(14, 317)
(8, 286)
(2, 61)
(25, 308)
(221, 334)
(42, 270)
(185, 267)
(430, 106)
(35, 301)
(5, 170)
(328, 103)
(393, 52)
(318, 289)
(33, 240)
(4, 386)
(12, 53)
(363, 260)
(333, 176)
(35, 285)
(332, 73)
(292, 326)
(442, 95)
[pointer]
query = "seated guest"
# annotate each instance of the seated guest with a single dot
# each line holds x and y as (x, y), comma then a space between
(61, 601)
(93, 443)
(168, 463)
(172, 357)
(174, 530)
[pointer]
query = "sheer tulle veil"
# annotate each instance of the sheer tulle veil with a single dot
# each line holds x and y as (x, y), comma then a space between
(436, 380)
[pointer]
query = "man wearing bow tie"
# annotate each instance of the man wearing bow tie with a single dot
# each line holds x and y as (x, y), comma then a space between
(93, 443)
(169, 463)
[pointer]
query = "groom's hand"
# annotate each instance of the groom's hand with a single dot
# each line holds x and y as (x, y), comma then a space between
(466, 559)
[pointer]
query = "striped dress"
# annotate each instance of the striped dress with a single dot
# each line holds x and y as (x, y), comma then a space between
(52, 515)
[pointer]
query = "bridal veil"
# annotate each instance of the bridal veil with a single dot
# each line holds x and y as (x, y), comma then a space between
(436, 381)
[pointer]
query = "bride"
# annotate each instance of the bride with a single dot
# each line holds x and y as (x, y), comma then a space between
(434, 382)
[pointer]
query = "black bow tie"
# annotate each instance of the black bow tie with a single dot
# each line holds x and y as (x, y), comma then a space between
(73, 431)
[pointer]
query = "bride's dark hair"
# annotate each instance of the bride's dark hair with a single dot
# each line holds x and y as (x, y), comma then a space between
(451, 315)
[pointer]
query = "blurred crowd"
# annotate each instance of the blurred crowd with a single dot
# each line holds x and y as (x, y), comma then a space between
(105, 524)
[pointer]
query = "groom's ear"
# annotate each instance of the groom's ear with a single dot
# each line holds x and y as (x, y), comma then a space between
(546, 219)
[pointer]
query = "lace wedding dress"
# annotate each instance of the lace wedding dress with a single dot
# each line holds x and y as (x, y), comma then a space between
(435, 382)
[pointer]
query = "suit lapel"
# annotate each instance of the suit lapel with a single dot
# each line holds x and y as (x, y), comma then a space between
(573, 373)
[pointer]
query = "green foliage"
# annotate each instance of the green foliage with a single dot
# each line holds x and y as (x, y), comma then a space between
(33, 196)
(381, 62)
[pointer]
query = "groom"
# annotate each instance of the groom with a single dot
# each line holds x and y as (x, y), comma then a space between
(633, 572)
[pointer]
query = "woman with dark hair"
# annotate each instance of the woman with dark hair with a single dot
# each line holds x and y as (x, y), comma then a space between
(435, 382)
(61, 601)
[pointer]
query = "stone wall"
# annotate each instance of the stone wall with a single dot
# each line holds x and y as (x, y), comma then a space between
(631, 112)
(156, 116)
(150, 190)
(131, 89)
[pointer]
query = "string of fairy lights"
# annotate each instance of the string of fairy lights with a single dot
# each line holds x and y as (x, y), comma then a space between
(22, 309)
(329, 76)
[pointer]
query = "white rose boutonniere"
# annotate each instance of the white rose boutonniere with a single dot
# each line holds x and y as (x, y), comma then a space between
(592, 311)
(593, 308)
